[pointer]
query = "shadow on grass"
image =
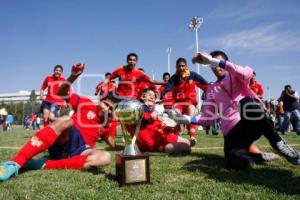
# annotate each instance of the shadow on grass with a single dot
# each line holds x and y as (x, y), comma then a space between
(278, 179)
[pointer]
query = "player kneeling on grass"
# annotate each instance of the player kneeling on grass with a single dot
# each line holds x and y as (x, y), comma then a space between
(153, 136)
(70, 140)
(243, 119)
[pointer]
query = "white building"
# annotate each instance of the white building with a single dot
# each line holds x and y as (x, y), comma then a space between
(23, 96)
(20, 96)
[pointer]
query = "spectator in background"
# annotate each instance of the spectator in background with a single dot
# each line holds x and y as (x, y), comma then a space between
(33, 117)
(290, 100)
(3, 115)
(38, 122)
(256, 86)
(9, 121)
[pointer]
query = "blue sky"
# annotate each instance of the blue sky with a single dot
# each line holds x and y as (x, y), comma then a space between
(36, 35)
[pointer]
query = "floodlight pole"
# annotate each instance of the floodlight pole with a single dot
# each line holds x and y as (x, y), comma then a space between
(194, 25)
(169, 50)
(197, 49)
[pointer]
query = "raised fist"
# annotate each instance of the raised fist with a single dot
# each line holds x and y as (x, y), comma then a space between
(77, 69)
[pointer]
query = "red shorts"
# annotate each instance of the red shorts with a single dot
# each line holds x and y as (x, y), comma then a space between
(149, 140)
(183, 106)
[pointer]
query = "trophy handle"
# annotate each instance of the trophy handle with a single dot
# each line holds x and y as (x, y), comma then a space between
(137, 131)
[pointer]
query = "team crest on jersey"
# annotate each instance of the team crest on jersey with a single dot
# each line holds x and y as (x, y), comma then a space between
(90, 115)
(36, 142)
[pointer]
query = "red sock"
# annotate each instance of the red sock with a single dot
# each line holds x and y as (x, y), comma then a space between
(192, 130)
(41, 141)
(75, 162)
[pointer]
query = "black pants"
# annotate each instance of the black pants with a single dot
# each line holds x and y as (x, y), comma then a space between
(245, 132)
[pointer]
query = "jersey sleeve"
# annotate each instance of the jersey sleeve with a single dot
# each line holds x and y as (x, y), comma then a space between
(242, 73)
(74, 101)
(168, 87)
(200, 81)
(45, 84)
(116, 73)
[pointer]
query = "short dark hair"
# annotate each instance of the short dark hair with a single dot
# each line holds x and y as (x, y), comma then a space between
(141, 69)
(287, 87)
(147, 90)
(180, 60)
(132, 54)
(58, 66)
(107, 73)
(166, 74)
(219, 53)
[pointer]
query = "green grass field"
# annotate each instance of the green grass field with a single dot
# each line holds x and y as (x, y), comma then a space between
(200, 175)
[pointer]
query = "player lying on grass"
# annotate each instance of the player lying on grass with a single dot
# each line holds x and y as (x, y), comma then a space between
(70, 140)
(243, 118)
(154, 135)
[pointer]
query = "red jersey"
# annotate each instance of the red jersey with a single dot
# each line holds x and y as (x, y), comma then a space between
(128, 81)
(33, 117)
(109, 130)
(104, 89)
(144, 85)
(152, 135)
(53, 84)
(184, 88)
(86, 118)
(257, 89)
(168, 100)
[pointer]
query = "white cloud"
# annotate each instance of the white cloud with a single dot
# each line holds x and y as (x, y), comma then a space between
(255, 9)
(268, 39)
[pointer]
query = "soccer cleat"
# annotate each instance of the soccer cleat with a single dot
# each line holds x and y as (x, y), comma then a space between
(269, 156)
(193, 141)
(239, 159)
(288, 152)
(8, 169)
(33, 164)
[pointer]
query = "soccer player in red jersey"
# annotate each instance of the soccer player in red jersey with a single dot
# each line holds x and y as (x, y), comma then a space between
(103, 90)
(167, 100)
(70, 140)
(142, 85)
(183, 85)
(129, 77)
(108, 132)
(256, 86)
(52, 103)
(153, 135)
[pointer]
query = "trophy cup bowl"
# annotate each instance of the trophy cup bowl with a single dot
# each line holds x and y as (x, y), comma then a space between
(132, 166)
(130, 114)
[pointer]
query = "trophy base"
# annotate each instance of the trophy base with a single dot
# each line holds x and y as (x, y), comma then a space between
(132, 170)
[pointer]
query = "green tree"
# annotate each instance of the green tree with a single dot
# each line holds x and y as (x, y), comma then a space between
(32, 97)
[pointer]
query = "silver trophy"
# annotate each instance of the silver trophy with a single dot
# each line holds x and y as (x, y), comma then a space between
(130, 115)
